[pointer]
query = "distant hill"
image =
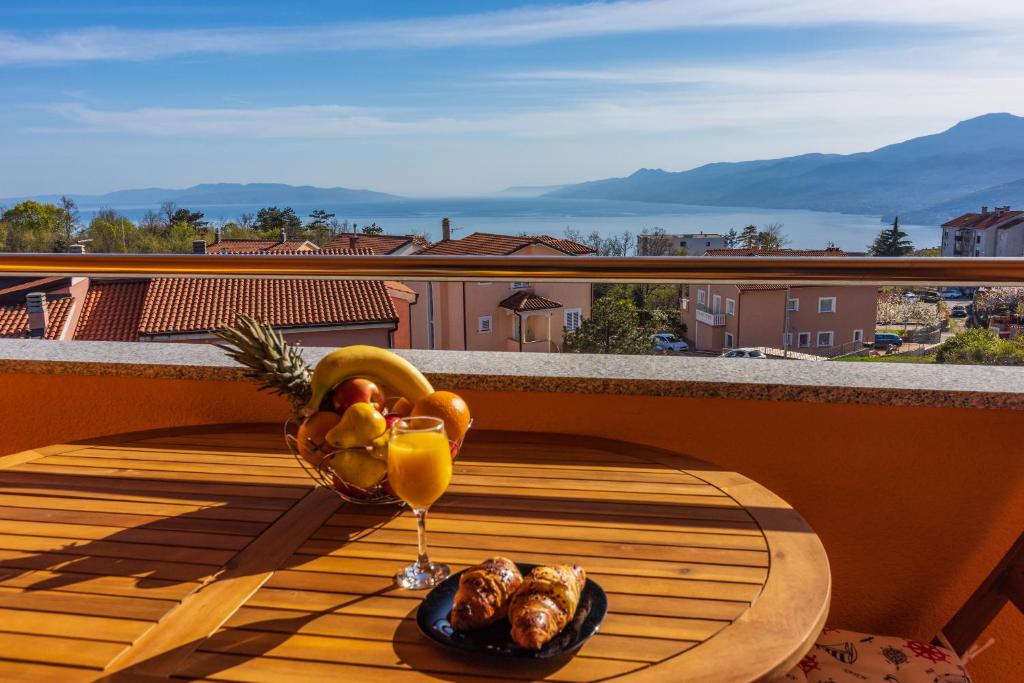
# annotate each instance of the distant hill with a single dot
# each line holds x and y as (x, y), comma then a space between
(213, 194)
(923, 176)
(530, 190)
(1007, 194)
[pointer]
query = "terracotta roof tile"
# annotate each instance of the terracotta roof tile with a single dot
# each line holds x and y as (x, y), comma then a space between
(320, 251)
(980, 221)
(380, 244)
(184, 305)
(258, 246)
(776, 252)
(112, 310)
(527, 301)
(488, 244)
(762, 288)
(14, 318)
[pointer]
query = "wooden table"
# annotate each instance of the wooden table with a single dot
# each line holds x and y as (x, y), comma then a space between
(206, 553)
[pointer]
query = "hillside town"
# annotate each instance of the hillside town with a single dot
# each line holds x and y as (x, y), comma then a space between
(798, 322)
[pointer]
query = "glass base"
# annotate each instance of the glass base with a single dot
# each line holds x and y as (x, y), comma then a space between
(419, 576)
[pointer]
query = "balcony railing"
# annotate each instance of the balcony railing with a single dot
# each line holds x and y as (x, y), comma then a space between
(651, 269)
(713, 319)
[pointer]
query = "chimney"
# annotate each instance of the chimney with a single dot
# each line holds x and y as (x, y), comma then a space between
(353, 241)
(284, 237)
(198, 246)
(984, 210)
(38, 320)
(216, 235)
(446, 229)
(76, 248)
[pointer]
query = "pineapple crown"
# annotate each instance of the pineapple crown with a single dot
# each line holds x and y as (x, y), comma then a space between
(270, 360)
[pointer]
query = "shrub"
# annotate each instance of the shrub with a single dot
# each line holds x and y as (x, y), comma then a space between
(981, 347)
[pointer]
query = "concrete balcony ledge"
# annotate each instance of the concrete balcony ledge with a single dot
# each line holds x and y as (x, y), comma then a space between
(677, 376)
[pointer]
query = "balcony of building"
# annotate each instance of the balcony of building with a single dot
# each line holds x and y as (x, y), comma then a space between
(709, 318)
(911, 475)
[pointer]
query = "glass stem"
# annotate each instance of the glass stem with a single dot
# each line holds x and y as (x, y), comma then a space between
(421, 537)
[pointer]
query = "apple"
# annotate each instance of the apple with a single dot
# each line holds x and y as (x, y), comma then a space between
(357, 390)
(392, 418)
(312, 436)
(453, 448)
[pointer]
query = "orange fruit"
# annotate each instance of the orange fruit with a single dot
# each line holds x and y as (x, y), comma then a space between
(447, 406)
(312, 436)
(401, 407)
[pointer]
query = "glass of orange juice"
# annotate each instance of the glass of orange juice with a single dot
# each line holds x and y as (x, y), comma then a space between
(419, 470)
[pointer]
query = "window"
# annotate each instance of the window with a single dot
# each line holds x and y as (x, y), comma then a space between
(702, 297)
(520, 285)
(685, 304)
(826, 304)
(858, 335)
(824, 339)
(708, 244)
(517, 327)
(682, 243)
(483, 323)
(787, 340)
(728, 340)
(716, 304)
(803, 340)
(978, 240)
(730, 307)
(793, 304)
(572, 318)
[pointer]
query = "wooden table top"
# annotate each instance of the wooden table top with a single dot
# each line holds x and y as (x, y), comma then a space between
(205, 553)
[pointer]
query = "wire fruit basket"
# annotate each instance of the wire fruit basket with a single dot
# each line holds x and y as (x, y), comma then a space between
(326, 476)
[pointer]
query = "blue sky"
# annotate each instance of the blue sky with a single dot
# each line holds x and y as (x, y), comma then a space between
(459, 98)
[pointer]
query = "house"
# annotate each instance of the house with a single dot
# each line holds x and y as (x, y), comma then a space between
(392, 245)
(996, 232)
(313, 312)
(804, 318)
(499, 316)
(695, 244)
(246, 246)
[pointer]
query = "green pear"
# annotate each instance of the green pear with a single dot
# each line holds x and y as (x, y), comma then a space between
(359, 426)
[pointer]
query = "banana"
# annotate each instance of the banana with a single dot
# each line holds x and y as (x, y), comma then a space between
(370, 362)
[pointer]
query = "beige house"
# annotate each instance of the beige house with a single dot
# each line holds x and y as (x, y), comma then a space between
(499, 316)
(805, 319)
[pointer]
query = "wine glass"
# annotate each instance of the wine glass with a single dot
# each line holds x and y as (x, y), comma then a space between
(419, 470)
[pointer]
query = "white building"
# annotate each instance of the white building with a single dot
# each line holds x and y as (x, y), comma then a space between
(999, 232)
(695, 244)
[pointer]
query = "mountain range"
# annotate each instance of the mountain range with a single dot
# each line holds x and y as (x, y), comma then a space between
(925, 180)
(215, 194)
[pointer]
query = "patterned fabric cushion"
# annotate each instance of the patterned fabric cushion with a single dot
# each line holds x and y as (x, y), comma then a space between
(847, 656)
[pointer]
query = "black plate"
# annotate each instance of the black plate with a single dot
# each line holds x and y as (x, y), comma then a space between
(432, 618)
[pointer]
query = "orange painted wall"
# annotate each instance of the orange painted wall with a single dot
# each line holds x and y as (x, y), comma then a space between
(913, 507)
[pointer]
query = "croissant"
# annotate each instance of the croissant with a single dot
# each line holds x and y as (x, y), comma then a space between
(484, 593)
(545, 604)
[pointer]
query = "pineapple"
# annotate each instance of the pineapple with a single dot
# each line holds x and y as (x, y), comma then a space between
(277, 365)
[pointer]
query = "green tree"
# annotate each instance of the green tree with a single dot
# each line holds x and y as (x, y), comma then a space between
(732, 239)
(321, 225)
(193, 219)
(373, 229)
(32, 226)
(111, 232)
(980, 346)
(891, 242)
(271, 219)
(772, 237)
(67, 224)
(615, 325)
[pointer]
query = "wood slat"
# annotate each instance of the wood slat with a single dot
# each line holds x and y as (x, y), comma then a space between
(78, 459)
(78, 582)
(197, 489)
(72, 625)
(133, 473)
(217, 458)
(13, 671)
(187, 523)
(91, 532)
(105, 566)
(133, 507)
(145, 609)
(24, 647)
(115, 549)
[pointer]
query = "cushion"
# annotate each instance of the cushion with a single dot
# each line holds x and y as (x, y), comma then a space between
(846, 656)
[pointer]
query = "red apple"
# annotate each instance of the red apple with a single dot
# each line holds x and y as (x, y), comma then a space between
(453, 448)
(392, 418)
(357, 390)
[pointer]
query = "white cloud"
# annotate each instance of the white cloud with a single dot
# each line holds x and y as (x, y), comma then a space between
(509, 27)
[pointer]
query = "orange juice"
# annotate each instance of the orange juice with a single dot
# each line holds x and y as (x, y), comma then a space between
(419, 467)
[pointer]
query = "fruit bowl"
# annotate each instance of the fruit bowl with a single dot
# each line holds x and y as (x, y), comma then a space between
(326, 476)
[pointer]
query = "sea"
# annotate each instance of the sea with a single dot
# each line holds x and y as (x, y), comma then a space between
(553, 216)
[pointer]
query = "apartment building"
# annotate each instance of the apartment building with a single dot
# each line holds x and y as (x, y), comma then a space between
(995, 232)
(499, 316)
(807, 319)
(695, 244)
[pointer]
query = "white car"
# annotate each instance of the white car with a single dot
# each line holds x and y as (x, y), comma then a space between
(951, 294)
(910, 296)
(666, 341)
(744, 353)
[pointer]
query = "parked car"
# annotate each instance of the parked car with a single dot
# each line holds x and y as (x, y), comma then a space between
(666, 342)
(910, 296)
(744, 353)
(951, 294)
(929, 297)
(958, 312)
(884, 339)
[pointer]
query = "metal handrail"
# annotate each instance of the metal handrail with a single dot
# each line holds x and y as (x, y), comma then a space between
(828, 270)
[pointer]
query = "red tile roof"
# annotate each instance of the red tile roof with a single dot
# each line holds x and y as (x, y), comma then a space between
(380, 244)
(14, 318)
(527, 301)
(980, 221)
(488, 244)
(776, 252)
(762, 288)
(112, 311)
(258, 246)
